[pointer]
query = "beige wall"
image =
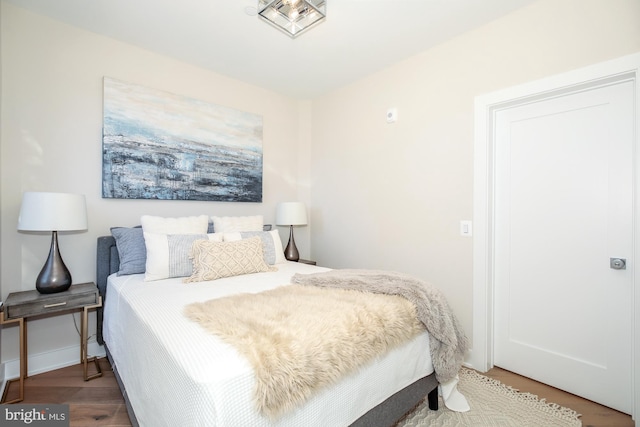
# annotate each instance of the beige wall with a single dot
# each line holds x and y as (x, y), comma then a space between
(391, 195)
(1, 215)
(52, 141)
(387, 196)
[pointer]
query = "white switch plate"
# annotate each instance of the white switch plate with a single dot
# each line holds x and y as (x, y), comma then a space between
(466, 228)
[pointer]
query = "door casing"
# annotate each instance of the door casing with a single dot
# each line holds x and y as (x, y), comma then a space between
(622, 69)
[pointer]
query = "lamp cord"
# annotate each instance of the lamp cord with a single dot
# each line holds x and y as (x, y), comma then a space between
(78, 330)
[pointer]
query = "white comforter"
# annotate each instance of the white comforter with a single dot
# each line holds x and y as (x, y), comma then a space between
(175, 373)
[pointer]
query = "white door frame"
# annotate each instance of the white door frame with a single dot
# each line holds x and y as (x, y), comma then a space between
(625, 68)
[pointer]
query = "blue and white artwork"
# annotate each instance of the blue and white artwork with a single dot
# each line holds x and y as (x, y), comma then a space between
(157, 145)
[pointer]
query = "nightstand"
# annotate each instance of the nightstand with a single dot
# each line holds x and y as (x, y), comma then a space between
(306, 261)
(19, 306)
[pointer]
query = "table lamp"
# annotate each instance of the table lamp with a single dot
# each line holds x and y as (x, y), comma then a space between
(53, 212)
(291, 213)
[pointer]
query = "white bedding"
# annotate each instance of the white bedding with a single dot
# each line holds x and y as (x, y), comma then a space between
(177, 374)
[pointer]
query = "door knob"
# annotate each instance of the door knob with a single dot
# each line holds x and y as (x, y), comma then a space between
(618, 263)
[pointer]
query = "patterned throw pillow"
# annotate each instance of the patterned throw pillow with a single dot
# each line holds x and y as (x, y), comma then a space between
(215, 260)
(168, 254)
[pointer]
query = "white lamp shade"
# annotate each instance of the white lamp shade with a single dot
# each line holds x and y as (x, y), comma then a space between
(291, 213)
(52, 212)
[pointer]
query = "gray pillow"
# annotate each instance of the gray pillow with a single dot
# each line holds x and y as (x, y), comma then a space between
(131, 250)
(268, 246)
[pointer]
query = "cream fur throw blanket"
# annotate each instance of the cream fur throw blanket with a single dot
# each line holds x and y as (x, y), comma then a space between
(301, 338)
(447, 341)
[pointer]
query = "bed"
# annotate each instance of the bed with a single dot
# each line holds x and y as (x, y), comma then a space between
(172, 372)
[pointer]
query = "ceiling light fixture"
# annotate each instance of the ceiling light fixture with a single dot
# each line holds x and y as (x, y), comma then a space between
(292, 17)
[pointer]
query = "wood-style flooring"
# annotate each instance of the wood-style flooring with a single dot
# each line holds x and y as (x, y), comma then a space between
(99, 403)
(593, 414)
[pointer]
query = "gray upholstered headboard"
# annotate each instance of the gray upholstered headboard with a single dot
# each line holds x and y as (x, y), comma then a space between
(108, 262)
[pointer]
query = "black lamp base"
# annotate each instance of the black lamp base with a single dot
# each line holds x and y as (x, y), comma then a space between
(291, 252)
(54, 276)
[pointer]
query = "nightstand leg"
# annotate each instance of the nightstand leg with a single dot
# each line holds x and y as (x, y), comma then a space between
(84, 358)
(23, 361)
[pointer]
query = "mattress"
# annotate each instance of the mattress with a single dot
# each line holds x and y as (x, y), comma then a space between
(176, 373)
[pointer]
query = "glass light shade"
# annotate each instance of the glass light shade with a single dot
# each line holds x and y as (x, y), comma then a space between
(291, 213)
(292, 17)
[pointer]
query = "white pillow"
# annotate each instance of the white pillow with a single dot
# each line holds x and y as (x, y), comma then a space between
(234, 224)
(271, 244)
(168, 254)
(182, 225)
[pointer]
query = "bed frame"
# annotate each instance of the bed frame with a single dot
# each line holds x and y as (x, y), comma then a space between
(387, 413)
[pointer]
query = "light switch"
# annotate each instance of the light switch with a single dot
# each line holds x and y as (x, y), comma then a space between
(466, 228)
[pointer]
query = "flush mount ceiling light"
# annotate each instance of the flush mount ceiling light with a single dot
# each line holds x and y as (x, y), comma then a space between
(292, 17)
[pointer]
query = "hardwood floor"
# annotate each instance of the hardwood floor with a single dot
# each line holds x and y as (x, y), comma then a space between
(593, 414)
(99, 403)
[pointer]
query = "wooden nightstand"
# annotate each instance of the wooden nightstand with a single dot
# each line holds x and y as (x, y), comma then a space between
(19, 306)
(306, 261)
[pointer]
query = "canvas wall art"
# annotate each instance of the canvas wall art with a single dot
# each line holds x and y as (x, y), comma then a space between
(157, 145)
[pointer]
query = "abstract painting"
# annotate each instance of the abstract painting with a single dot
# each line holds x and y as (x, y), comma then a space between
(157, 145)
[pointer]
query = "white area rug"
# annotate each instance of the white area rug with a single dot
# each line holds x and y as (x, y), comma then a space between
(493, 404)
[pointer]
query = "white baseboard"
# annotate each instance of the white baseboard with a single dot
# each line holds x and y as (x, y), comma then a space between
(50, 360)
(468, 361)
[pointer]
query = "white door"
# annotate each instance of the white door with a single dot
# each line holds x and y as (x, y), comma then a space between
(563, 208)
